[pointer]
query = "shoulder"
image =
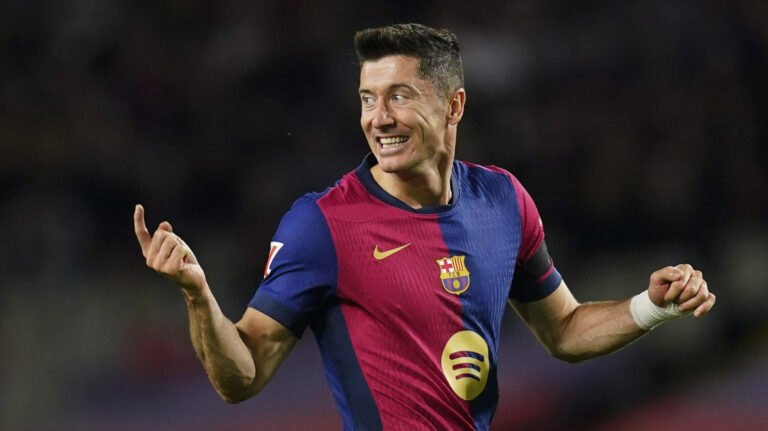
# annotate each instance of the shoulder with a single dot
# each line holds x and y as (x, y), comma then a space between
(302, 243)
(309, 207)
(303, 211)
(313, 211)
(305, 223)
(492, 176)
(488, 172)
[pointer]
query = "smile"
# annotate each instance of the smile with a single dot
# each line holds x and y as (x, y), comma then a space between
(392, 141)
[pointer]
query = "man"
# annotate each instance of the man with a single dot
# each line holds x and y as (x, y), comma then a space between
(403, 268)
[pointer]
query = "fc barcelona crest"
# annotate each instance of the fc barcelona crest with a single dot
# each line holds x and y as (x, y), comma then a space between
(453, 274)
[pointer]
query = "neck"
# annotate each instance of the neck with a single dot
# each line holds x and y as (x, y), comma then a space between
(428, 187)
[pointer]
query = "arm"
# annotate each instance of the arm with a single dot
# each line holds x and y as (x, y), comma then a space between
(239, 359)
(575, 332)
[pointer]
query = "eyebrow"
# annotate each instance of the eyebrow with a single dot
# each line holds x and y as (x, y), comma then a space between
(393, 87)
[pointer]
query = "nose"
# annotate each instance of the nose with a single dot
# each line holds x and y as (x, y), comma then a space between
(382, 118)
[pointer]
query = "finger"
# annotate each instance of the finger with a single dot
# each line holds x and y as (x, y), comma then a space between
(154, 249)
(677, 286)
(692, 287)
(687, 272)
(165, 226)
(674, 291)
(165, 252)
(706, 306)
(175, 262)
(140, 227)
(666, 275)
(702, 295)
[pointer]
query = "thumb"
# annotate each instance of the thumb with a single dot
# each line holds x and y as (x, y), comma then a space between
(666, 275)
(165, 226)
(675, 274)
(660, 282)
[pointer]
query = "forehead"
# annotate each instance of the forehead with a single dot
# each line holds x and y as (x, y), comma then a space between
(390, 70)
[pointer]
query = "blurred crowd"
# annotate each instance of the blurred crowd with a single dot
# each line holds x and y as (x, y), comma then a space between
(638, 128)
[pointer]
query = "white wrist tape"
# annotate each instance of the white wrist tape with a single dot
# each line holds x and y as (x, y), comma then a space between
(648, 315)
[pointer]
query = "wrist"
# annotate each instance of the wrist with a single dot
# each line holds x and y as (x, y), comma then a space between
(648, 315)
(195, 295)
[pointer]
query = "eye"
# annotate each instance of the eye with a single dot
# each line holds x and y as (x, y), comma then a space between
(398, 98)
(366, 100)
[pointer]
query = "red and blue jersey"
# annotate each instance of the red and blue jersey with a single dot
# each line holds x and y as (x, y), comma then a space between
(406, 304)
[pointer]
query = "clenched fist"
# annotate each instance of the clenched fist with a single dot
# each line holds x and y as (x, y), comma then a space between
(168, 254)
(684, 286)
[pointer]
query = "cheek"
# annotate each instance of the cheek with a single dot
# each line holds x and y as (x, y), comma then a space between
(427, 123)
(365, 125)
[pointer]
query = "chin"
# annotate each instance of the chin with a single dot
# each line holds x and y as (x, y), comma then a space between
(401, 168)
(389, 167)
(392, 164)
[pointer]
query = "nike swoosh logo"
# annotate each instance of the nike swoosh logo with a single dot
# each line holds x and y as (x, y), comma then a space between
(378, 255)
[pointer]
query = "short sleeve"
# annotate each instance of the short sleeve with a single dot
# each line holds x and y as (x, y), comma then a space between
(302, 269)
(535, 274)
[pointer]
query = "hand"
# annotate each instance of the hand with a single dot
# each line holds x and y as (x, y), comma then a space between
(168, 254)
(684, 286)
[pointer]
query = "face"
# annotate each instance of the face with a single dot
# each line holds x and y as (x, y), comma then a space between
(404, 119)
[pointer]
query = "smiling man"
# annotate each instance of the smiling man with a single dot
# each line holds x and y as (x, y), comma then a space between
(410, 128)
(403, 269)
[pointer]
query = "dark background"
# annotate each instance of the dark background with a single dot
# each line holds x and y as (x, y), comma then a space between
(638, 127)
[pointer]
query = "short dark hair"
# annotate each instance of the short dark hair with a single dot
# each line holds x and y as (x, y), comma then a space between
(436, 49)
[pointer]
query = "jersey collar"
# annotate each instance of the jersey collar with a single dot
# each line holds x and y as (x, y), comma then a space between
(363, 172)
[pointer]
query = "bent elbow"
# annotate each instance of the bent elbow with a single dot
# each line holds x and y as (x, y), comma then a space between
(567, 355)
(231, 400)
(234, 398)
(236, 395)
(570, 358)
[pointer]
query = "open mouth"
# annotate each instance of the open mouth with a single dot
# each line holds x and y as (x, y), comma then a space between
(392, 141)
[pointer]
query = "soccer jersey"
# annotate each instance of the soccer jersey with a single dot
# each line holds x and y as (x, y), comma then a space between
(406, 304)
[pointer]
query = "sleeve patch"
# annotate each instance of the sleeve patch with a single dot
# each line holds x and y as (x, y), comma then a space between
(301, 270)
(274, 247)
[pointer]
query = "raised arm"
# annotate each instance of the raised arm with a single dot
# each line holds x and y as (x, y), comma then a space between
(575, 332)
(239, 358)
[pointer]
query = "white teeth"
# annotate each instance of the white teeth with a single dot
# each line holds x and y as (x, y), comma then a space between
(393, 141)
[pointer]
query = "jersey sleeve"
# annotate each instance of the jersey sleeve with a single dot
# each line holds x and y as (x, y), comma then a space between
(302, 269)
(535, 274)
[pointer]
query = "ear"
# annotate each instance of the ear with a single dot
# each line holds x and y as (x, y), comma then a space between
(456, 106)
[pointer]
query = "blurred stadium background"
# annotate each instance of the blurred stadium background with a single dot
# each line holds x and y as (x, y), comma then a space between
(638, 127)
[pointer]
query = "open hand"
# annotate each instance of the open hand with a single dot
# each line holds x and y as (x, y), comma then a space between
(168, 254)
